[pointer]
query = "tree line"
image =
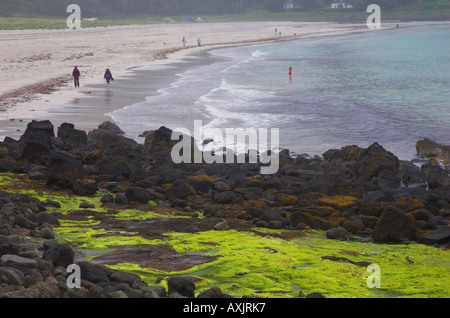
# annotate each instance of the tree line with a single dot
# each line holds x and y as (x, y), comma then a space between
(122, 8)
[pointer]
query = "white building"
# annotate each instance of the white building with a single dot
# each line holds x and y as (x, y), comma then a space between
(338, 4)
(289, 5)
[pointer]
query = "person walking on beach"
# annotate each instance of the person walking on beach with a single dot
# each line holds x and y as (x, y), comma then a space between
(184, 42)
(76, 76)
(290, 73)
(108, 76)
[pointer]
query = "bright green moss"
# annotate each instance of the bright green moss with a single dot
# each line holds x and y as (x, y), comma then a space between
(126, 215)
(270, 267)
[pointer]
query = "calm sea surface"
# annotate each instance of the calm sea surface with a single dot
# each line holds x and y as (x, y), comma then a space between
(385, 86)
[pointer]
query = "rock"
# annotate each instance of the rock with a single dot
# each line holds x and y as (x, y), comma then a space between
(45, 218)
(345, 156)
(436, 176)
(440, 236)
(160, 141)
(63, 170)
(427, 148)
(107, 198)
(313, 221)
(110, 135)
(375, 159)
(394, 226)
(120, 198)
(23, 294)
(34, 278)
(182, 286)
(47, 233)
(337, 233)
(85, 205)
(222, 226)
(10, 276)
(138, 195)
(58, 254)
(124, 277)
(24, 222)
(71, 137)
(42, 131)
(181, 189)
(85, 187)
(315, 295)
(36, 151)
(22, 261)
(93, 273)
(37, 175)
(214, 292)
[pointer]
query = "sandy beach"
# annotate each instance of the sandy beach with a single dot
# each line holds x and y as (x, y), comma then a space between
(36, 65)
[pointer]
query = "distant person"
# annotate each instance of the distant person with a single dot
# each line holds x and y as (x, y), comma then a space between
(276, 32)
(290, 73)
(108, 77)
(199, 42)
(76, 76)
(184, 42)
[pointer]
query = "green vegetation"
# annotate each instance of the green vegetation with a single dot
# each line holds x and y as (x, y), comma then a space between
(249, 264)
(258, 262)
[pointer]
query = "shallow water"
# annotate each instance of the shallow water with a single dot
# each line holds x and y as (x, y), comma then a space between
(386, 86)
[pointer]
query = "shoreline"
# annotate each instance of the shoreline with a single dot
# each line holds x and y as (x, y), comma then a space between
(63, 103)
(14, 118)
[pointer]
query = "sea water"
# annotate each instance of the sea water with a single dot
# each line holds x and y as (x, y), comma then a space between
(390, 86)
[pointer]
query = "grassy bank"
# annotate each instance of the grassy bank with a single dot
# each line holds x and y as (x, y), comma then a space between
(426, 12)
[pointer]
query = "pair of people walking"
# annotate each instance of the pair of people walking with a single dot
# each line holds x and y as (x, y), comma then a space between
(77, 74)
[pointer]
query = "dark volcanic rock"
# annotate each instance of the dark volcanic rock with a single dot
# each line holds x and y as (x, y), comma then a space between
(182, 286)
(394, 226)
(63, 170)
(85, 186)
(71, 137)
(375, 159)
(110, 135)
(93, 273)
(427, 148)
(58, 254)
(42, 131)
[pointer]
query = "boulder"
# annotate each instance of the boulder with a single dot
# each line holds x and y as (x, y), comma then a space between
(85, 186)
(93, 273)
(110, 135)
(36, 152)
(182, 286)
(337, 233)
(71, 137)
(439, 236)
(428, 148)
(63, 170)
(375, 159)
(138, 195)
(124, 277)
(41, 131)
(394, 226)
(58, 254)
(45, 217)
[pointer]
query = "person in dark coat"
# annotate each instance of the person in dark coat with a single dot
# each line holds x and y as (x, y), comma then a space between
(76, 76)
(108, 77)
